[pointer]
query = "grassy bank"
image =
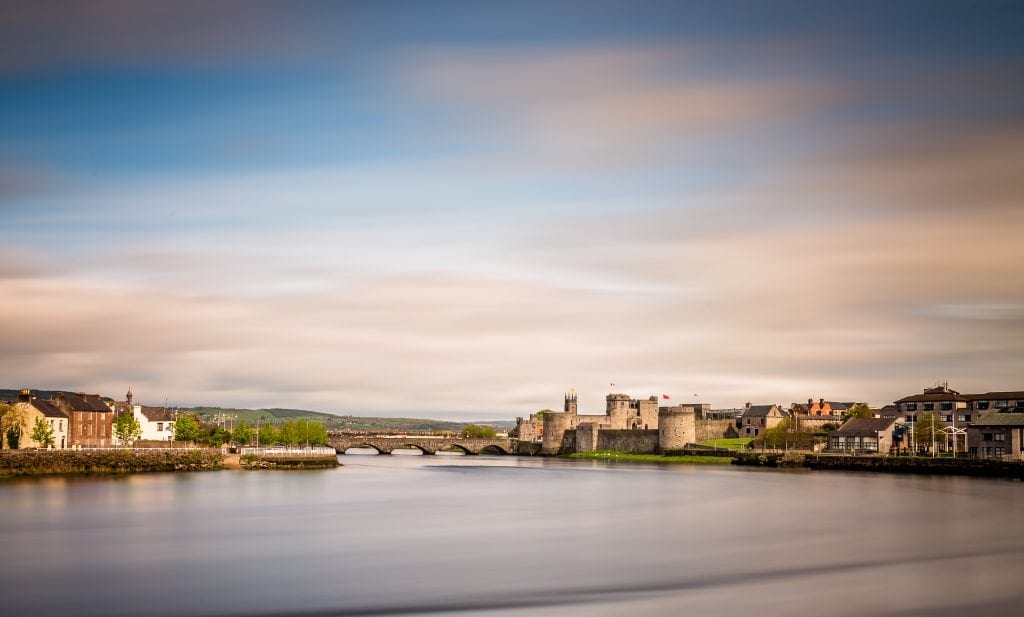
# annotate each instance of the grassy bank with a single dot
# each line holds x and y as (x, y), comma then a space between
(736, 443)
(15, 463)
(628, 457)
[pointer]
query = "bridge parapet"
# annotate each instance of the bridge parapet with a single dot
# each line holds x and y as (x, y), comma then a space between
(428, 445)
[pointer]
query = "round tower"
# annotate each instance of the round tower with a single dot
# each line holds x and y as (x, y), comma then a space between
(676, 427)
(555, 426)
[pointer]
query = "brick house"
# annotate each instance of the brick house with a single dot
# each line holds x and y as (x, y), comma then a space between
(91, 419)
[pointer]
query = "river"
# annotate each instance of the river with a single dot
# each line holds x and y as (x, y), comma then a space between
(510, 536)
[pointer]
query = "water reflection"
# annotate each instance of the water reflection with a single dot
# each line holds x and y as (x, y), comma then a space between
(474, 535)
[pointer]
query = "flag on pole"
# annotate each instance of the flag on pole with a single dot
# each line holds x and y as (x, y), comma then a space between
(664, 396)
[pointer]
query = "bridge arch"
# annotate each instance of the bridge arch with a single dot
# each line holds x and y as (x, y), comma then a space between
(366, 446)
(456, 447)
(412, 446)
(492, 449)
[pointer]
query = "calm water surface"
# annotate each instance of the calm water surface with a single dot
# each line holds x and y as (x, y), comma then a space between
(506, 536)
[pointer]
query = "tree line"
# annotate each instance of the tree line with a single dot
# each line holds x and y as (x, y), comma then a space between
(290, 433)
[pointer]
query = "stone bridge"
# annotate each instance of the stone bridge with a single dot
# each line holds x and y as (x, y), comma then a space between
(427, 444)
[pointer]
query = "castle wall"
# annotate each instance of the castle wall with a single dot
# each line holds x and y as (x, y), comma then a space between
(638, 442)
(676, 427)
(714, 429)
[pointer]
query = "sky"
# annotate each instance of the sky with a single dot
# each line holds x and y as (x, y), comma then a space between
(464, 209)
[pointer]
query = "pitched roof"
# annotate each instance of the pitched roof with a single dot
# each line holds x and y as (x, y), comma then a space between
(154, 414)
(837, 406)
(48, 409)
(1001, 418)
(756, 411)
(865, 426)
(934, 397)
(994, 396)
(83, 402)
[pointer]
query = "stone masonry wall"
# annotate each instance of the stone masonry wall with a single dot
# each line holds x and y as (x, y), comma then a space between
(639, 441)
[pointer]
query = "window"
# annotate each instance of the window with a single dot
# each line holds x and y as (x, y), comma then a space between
(948, 418)
(986, 436)
(160, 427)
(929, 406)
(947, 406)
(748, 421)
(911, 406)
(1000, 436)
(999, 451)
(981, 405)
(963, 418)
(1001, 404)
(912, 417)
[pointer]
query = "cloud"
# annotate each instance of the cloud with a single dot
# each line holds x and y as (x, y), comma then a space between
(44, 34)
(607, 106)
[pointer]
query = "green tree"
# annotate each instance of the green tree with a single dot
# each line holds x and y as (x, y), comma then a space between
(186, 428)
(288, 433)
(218, 437)
(42, 433)
(12, 418)
(928, 428)
(242, 433)
(14, 437)
(317, 434)
(786, 434)
(858, 410)
(474, 431)
(127, 427)
(268, 435)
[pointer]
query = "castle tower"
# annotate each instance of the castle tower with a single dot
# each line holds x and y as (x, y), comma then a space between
(555, 426)
(570, 402)
(676, 427)
(128, 397)
(617, 410)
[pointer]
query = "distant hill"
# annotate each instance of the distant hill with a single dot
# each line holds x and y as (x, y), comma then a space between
(336, 422)
(278, 415)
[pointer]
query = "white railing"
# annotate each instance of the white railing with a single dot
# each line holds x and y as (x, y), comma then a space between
(285, 451)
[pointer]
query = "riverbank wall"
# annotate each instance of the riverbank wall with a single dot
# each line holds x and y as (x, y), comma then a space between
(986, 468)
(256, 461)
(127, 460)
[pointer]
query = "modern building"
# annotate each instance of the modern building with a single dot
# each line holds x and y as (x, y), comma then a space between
(871, 435)
(997, 434)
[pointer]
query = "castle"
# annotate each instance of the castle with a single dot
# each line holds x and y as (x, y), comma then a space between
(631, 425)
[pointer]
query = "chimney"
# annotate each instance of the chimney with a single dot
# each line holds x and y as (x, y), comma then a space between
(810, 403)
(24, 396)
(821, 402)
(747, 406)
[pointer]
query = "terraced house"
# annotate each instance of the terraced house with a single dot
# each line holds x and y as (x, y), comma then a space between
(91, 419)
